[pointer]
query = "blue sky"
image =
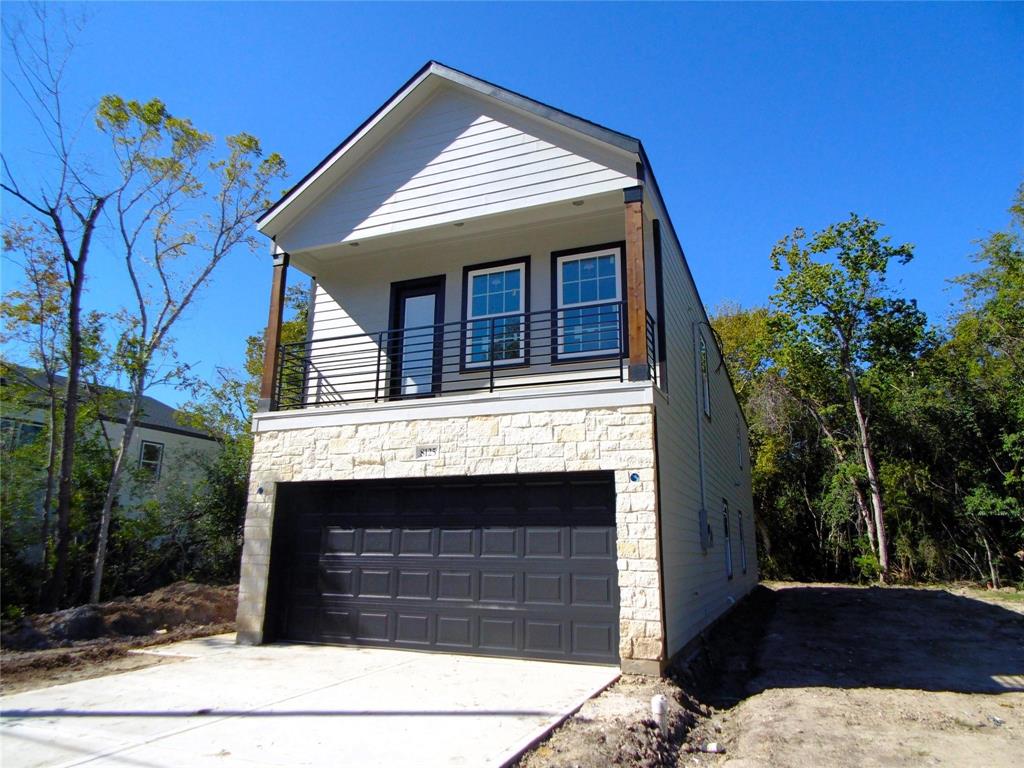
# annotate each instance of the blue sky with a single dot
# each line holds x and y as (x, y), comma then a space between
(756, 117)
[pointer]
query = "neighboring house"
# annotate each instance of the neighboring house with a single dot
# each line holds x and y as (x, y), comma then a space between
(510, 430)
(161, 453)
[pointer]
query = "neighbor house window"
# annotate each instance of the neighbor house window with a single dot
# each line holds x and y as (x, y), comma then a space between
(728, 538)
(743, 542)
(588, 296)
(496, 304)
(151, 458)
(704, 376)
(16, 433)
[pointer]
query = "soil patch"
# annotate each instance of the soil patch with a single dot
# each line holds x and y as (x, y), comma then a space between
(94, 640)
(825, 675)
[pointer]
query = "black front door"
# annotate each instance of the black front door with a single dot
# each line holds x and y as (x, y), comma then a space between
(416, 339)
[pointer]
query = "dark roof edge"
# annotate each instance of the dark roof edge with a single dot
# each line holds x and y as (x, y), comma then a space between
(554, 114)
(486, 88)
(184, 431)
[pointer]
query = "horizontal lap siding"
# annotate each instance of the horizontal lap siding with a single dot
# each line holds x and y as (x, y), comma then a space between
(696, 588)
(458, 156)
(352, 297)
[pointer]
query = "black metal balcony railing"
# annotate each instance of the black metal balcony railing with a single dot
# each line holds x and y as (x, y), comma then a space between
(548, 347)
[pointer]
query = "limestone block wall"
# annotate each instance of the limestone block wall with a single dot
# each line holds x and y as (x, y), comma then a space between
(618, 439)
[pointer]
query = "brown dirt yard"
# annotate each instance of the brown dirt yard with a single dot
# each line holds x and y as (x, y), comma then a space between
(96, 640)
(814, 675)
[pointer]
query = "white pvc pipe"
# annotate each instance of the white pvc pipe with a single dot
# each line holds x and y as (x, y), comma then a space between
(659, 711)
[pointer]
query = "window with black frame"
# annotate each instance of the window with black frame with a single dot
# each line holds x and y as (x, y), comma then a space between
(495, 314)
(588, 295)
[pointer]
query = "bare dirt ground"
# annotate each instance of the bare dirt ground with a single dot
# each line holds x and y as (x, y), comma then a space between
(809, 675)
(96, 640)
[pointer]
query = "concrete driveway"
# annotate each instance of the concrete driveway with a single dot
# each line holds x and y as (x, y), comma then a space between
(296, 705)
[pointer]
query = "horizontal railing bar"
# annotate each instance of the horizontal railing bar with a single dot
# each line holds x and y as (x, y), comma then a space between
(368, 336)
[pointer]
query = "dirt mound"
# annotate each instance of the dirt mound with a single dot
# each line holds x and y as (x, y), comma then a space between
(177, 605)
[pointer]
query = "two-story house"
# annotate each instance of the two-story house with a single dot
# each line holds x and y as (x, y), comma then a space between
(509, 431)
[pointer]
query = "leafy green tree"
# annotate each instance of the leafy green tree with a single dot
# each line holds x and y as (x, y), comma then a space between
(181, 210)
(837, 321)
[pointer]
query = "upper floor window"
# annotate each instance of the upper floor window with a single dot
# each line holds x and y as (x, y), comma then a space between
(151, 458)
(496, 299)
(588, 296)
(704, 376)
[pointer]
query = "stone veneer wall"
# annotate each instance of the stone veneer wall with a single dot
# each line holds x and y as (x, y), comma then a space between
(618, 439)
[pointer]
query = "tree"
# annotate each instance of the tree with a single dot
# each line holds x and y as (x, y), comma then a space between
(68, 208)
(836, 323)
(173, 233)
(34, 316)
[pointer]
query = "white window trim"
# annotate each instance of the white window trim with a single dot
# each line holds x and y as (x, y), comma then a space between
(160, 461)
(560, 302)
(470, 317)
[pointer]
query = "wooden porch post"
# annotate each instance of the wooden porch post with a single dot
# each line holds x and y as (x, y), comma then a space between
(272, 340)
(636, 284)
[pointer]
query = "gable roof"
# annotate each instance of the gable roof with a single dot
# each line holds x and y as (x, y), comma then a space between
(435, 70)
(154, 414)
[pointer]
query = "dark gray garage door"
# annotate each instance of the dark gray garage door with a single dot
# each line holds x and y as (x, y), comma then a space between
(512, 565)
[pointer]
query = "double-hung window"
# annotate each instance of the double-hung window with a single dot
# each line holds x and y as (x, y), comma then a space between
(588, 299)
(151, 458)
(496, 306)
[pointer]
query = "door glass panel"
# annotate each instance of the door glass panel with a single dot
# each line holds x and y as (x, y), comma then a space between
(418, 345)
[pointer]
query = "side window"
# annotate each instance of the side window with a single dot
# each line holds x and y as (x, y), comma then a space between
(588, 296)
(704, 376)
(151, 458)
(743, 541)
(728, 538)
(707, 536)
(495, 307)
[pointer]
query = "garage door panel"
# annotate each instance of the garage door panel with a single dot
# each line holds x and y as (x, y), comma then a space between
(516, 565)
(544, 588)
(414, 585)
(594, 590)
(413, 628)
(499, 634)
(499, 587)
(544, 542)
(455, 585)
(498, 542)
(593, 542)
(456, 543)
(544, 636)
(337, 581)
(416, 541)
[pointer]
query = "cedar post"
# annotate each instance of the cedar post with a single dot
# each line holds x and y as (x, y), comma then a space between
(272, 340)
(636, 284)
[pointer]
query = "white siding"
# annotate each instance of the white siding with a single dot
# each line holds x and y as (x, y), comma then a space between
(352, 299)
(697, 589)
(458, 156)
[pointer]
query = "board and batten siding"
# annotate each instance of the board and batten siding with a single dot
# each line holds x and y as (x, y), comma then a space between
(458, 156)
(697, 589)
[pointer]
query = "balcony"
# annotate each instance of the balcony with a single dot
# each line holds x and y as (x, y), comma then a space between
(510, 352)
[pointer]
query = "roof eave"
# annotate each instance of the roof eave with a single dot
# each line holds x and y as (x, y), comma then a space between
(511, 98)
